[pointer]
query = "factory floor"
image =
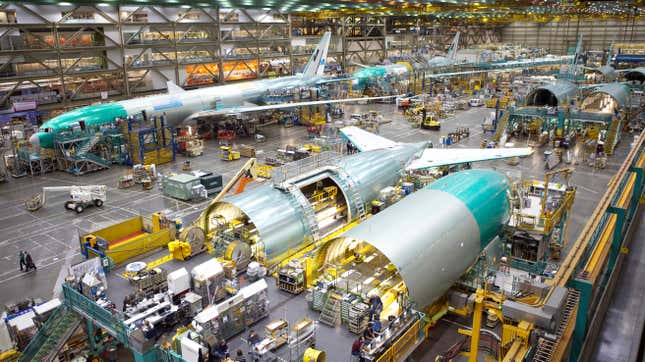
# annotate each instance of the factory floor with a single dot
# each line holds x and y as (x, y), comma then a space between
(620, 339)
(51, 233)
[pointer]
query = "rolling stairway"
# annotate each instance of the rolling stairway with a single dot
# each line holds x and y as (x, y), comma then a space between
(330, 314)
(613, 136)
(52, 336)
(501, 125)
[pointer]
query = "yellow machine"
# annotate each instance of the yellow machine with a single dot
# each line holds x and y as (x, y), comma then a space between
(515, 338)
(314, 355)
(194, 238)
(10, 355)
(431, 122)
(312, 148)
(129, 238)
(228, 154)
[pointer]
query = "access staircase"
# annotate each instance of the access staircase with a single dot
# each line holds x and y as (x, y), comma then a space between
(87, 146)
(613, 136)
(357, 199)
(52, 336)
(74, 154)
(501, 125)
(546, 347)
(330, 314)
(553, 160)
(348, 183)
(302, 201)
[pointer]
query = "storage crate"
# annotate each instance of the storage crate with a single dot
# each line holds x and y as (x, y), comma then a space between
(180, 186)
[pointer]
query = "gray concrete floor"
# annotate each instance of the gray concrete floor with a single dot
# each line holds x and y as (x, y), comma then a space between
(51, 234)
(622, 329)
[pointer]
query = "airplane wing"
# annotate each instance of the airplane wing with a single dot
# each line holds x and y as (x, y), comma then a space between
(436, 157)
(360, 65)
(451, 74)
(333, 80)
(246, 109)
(432, 157)
(174, 88)
(366, 141)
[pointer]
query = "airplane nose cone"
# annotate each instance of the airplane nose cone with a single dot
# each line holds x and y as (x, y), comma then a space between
(34, 140)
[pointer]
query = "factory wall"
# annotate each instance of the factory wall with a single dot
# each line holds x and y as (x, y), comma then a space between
(558, 37)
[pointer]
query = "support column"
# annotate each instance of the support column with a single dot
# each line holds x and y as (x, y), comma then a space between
(90, 335)
(585, 288)
(638, 190)
(617, 238)
(148, 356)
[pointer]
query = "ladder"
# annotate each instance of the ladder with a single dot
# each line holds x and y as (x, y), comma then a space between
(306, 208)
(546, 347)
(52, 336)
(330, 314)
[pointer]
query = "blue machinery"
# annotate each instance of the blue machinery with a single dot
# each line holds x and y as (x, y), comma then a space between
(76, 307)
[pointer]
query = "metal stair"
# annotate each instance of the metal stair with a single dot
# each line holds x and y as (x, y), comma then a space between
(330, 314)
(98, 160)
(306, 208)
(613, 136)
(553, 160)
(87, 146)
(358, 201)
(52, 336)
(546, 347)
(501, 125)
(354, 195)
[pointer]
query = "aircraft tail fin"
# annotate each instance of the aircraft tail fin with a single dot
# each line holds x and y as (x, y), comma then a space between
(316, 64)
(452, 51)
(576, 56)
(174, 88)
(610, 53)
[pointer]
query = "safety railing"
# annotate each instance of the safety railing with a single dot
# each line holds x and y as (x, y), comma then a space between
(590, 263)
(536, 268)
(42, 335)
(92, 311)
(296, 168)
(168, 355)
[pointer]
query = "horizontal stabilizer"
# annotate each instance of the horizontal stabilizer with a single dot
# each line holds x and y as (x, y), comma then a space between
(174, 88)
(437, 157)
(431, 157)
(366, 141)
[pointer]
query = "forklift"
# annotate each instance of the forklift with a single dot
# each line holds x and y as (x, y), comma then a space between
(429, 121)
(227, 153)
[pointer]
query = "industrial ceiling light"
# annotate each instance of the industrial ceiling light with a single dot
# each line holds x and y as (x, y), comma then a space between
(64, 3)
